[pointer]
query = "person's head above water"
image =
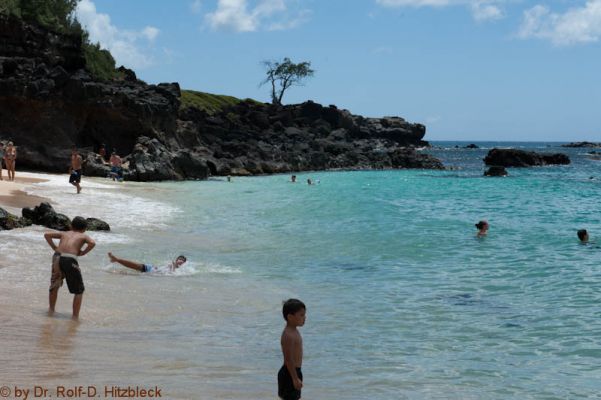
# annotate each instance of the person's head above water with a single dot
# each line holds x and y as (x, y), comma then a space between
(482, 225)
(179, 261)
(583, 235)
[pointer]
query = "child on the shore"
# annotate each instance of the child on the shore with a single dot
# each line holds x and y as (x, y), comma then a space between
(290, 376)
(64, 262)
(482, 227)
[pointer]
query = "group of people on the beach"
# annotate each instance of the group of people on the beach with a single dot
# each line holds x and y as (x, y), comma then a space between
(76, 243)
(8, 159)
(75, 170)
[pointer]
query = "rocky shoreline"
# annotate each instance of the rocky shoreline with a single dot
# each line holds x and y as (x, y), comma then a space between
(49, 102)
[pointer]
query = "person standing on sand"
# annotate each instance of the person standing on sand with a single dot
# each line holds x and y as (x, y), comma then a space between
(64, 262)
(10, 158)
(75, 170)
(290, 376)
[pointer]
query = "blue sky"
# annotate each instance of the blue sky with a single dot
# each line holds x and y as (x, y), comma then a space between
(467, 69)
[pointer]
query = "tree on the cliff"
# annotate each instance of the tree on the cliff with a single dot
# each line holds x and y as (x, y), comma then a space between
(284, 74)
(56, 15)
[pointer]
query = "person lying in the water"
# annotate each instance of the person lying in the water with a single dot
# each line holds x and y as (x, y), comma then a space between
(179, 261)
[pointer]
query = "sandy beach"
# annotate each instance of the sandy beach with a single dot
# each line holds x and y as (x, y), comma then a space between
(13, 193)
(134, 329)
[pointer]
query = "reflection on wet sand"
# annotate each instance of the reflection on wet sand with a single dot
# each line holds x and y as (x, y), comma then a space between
(55, 348)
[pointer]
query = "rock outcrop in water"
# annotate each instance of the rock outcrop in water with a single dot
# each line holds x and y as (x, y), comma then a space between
(49, 102)
(582, 144)
(521, 158)
(45, 215)
(10, 221)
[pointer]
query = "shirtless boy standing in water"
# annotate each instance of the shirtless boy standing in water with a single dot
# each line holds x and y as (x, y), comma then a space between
(64, 262)
(290, 377)
(75, 170)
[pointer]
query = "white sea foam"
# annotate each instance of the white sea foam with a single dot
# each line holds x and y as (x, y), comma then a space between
(188, 269)
(119, 204)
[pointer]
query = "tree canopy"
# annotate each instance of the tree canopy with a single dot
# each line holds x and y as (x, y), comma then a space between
(284, 74)
(59, 16)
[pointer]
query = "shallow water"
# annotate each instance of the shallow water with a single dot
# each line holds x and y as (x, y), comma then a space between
(403, 301)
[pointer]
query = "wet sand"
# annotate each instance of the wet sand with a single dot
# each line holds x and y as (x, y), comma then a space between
(12, 193)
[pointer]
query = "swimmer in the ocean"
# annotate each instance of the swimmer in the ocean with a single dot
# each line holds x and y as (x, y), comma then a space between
(482, 228)
(583, 236)
(141, 267)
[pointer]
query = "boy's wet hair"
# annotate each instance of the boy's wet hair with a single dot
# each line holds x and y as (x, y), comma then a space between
(582, 234)
(481, 224)
(182, 257)
(79, 224)
(292, 306)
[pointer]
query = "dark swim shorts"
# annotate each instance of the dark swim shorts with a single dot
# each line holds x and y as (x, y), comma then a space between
(286, 390)
(75, 176)
(70, 269)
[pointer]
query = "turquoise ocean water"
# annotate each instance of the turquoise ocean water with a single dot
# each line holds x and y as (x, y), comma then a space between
(404, 302)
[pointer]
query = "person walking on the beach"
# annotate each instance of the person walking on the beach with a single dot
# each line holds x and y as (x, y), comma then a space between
(75, 170)
(64, 262)
(290, 376)
(482, 228)
(178, 262)
(1, 159)
(10, 158)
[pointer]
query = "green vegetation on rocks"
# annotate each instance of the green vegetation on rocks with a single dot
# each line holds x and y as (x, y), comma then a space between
(211, 103)
(59, 16)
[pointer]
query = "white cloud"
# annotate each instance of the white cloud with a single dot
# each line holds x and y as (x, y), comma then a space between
(302, 17)
(577, 25)
(123, 44)
(237, 16)
(150, 33)
(486, 11)
(482, 10)
(196, 6)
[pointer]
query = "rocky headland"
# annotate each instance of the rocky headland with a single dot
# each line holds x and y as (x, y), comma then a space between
(49, 102)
